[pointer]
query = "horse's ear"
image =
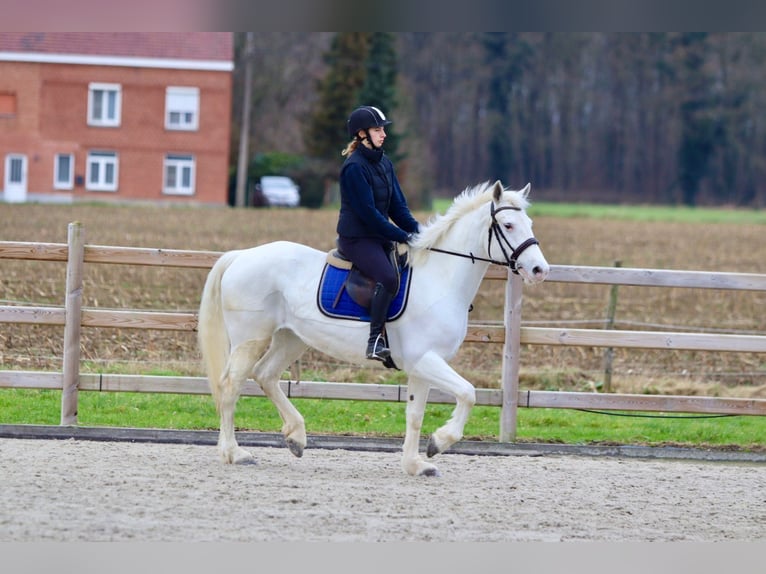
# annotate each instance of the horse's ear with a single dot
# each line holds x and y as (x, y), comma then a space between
(497, 191)
(525, 192)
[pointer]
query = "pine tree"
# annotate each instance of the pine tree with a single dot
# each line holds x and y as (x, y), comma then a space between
(379, 87)
(698, 127)
(338, 93)
(506, 56)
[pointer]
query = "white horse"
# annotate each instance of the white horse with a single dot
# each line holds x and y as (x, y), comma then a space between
(259, 313)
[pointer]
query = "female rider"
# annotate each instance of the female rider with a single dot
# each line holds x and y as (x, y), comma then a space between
(373, 215)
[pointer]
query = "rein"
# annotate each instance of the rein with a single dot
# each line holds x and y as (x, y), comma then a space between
(494, 229)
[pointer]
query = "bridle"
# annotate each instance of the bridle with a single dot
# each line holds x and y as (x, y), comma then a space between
(502, 241)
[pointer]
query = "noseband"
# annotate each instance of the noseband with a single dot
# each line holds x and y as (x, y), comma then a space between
(505, 245)
(503, 242)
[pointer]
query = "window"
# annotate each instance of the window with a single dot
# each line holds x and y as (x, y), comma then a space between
(179, 175)
(63, 171)
(16, 167)
(7, 104)
(104, 104)
(181, 108)
(102, 171)
(15, 178)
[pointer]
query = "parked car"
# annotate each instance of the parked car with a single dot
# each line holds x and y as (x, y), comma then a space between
(278, 191)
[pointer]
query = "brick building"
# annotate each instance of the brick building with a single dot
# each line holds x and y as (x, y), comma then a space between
(90, 116)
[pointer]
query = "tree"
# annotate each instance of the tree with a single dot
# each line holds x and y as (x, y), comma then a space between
(506, 55)
(379, 88)
(608, 116)
(697, 124)
(338, 93)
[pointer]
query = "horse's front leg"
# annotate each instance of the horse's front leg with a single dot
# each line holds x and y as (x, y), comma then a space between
(412, 463)
(434, 370)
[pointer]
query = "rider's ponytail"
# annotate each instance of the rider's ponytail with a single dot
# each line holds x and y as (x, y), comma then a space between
(349, 149)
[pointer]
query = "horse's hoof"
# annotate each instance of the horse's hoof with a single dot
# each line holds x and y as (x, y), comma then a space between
(432, 449)
(294, 447)
(242, 457)
(432, 471)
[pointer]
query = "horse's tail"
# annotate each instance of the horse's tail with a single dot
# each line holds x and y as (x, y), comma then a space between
(211, 331)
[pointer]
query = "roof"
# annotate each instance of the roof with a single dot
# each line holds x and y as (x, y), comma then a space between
(202, 50)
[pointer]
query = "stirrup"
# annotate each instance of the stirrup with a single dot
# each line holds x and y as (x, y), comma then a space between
(378, 350)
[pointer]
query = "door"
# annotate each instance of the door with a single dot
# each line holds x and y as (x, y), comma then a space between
(15, 178)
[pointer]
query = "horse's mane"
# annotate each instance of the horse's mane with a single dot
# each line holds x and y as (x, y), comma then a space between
(467, 201)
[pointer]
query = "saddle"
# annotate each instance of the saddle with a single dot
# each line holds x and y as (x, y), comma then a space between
(345, 292)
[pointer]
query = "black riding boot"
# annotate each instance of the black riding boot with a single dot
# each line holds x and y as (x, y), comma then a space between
(376, 345)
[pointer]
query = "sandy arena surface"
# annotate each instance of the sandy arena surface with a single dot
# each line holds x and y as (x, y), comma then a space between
(75, 490)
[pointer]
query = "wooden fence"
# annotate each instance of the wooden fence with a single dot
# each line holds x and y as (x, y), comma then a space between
(511, 335)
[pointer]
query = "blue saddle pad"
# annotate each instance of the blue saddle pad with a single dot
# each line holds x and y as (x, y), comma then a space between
(346, 308)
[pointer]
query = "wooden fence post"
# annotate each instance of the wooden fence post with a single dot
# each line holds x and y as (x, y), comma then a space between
(511, 358)
(609, 352)
(73, 310)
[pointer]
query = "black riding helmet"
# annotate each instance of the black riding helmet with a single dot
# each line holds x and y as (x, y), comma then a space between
(364, 118)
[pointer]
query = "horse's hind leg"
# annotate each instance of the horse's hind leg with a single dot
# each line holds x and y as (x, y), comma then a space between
(241, 361)
(285, 348)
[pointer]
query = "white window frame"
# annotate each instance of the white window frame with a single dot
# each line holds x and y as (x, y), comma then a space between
(98, 100)
(103, 159)
(182, 102)
(177, 163)
(58, 183)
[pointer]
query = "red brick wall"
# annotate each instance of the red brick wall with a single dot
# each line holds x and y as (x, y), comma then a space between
(52, 102)
(24, 81)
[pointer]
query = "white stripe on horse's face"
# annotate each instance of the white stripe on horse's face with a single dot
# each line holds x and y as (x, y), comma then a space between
(516, 227)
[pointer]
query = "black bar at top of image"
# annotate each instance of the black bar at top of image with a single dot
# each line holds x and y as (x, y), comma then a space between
(488, 15)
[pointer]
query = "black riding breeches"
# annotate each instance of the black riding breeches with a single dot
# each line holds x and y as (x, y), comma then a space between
(371, 257)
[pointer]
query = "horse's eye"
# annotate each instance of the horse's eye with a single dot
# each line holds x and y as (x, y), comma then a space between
(509, 226)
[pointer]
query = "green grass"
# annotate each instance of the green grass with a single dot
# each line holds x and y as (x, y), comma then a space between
(650, 213)
(677, 214)
(368, 418)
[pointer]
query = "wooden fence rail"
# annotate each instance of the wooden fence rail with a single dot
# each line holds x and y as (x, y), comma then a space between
(511, 334)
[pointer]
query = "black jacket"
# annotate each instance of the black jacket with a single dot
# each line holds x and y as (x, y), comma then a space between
(369, 196)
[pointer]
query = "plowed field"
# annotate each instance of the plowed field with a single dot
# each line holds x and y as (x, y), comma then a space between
(577, 241)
